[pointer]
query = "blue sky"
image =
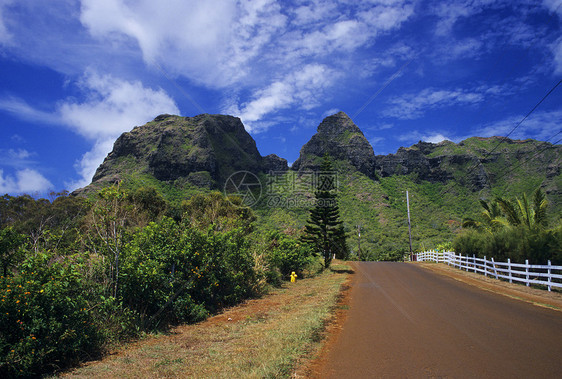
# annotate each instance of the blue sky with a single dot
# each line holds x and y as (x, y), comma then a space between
(74, 74)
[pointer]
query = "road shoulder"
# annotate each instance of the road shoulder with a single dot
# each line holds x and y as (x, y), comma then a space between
(535, 296)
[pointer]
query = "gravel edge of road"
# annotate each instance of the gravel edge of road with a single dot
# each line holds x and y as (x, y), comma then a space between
(535, 296)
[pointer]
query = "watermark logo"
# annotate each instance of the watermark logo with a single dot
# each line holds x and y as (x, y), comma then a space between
(283, 189)
(246, 185)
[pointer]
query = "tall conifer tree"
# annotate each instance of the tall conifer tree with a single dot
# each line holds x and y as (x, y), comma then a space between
(324, 229)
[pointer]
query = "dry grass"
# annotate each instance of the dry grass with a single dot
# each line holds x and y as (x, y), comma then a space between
(263, 338)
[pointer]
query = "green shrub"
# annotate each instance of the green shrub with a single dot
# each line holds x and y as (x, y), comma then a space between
(471, 242)
(176, 273)
(286, 254)
(47, 318)
(228, 274)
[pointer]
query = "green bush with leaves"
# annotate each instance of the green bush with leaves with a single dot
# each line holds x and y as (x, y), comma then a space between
(175, 273)
(70, 291)
(10, 252)
(227, 275)
(512, 228)
(286, 254)
(158, 269)
(47, 316)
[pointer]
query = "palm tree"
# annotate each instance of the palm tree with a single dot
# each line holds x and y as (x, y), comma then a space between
(521, 212)
(491, 217)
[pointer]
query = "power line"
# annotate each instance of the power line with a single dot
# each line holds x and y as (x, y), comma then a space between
(546, 147)
(386, 84)
(503, 139)
(180, 88)
(524, 118)
(552, 18)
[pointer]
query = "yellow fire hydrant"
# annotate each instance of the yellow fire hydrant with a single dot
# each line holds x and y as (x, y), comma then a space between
(293, 277)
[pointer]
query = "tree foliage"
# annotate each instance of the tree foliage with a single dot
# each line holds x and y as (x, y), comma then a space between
(10, 243)
(285, 254)
(513, 228)
(324, 229)
(108, 268)
(215, 209)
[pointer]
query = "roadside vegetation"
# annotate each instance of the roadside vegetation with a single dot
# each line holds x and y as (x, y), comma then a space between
(81, 275)
(268, 337)
(517, 228)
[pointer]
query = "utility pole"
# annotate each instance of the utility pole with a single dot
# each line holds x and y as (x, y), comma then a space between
(359, 241)
(409, 224)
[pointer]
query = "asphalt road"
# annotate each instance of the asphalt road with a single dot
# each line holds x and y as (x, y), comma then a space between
(408, 322)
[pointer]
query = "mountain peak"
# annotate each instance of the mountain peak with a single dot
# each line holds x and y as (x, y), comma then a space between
(343, 140)
(203, 150)
(338, 123)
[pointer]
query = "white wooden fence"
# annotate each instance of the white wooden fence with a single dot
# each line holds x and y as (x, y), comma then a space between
(546, 275)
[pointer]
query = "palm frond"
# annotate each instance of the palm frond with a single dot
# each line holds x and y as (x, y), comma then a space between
(539, 206)
(510, 211)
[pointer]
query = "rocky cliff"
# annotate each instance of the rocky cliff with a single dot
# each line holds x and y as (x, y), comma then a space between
(205, 150)
(477, 162)
(339, 137)
(202, 150)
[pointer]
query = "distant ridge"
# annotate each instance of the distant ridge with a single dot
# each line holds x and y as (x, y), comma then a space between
(202, 152)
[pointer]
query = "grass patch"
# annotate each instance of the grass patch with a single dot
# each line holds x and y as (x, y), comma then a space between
(263, 338)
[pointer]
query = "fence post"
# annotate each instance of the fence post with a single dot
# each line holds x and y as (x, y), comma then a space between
(509, 269)
(486, 267)
(494, 267)
(474, 262)
(549, 272)
(527, 272)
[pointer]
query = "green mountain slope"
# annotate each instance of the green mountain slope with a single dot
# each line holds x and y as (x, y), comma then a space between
(181, 156)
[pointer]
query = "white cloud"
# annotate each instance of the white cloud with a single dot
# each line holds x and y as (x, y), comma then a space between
(435, 138)
(90, 161)
(301, 89)
(387, 16)
(24, 181)
(450, 12)
(17, 158)
(112, 107)
(19, 154)
(468, 47)
(225, 44)
(330, 112)
(23, 110)
(21, 178)
(340, 32)
(411, 106)
(556, 49)
(206, 41)
(553, 6)
(313, 12)
(541, 125)
(414, 136)
(5, 35)
(375, 141)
